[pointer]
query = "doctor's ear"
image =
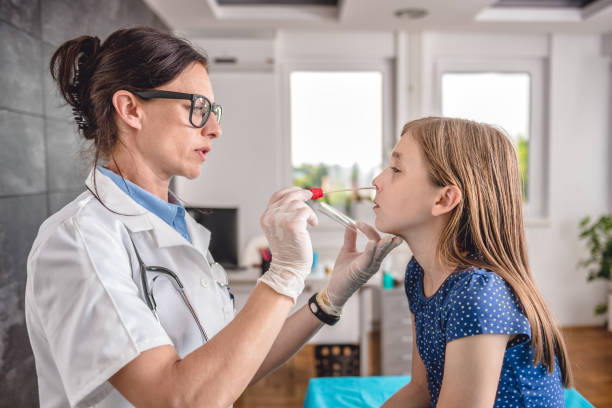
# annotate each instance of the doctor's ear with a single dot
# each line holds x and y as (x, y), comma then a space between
(128, 109)
(447, 200)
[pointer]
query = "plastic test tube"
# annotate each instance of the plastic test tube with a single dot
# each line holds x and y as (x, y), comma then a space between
(337, 216)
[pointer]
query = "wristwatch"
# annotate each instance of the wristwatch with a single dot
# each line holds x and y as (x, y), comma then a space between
(316, 310)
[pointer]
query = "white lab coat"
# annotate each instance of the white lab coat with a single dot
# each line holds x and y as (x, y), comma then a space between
(85, 312)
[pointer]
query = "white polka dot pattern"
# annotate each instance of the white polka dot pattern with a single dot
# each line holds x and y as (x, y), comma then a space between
(473, 302)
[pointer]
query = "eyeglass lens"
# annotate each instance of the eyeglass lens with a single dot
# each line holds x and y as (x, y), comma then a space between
(201, 111)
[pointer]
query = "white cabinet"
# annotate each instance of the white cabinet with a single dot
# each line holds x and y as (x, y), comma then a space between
(396, 333)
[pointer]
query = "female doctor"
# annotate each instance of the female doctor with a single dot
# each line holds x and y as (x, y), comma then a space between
(124, 304)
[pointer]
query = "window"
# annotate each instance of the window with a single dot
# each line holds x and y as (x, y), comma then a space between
(336, 131)
(508, 94)
(497, 98)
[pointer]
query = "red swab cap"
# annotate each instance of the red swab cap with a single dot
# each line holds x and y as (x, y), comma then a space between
(316, 193)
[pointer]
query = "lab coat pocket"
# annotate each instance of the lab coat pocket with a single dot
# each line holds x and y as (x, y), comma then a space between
(175, 316)
(227, 299)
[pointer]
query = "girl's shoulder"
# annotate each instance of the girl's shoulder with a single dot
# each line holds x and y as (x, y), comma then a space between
(477, 281)
(480, 289)
(471, 282)
(479, 302)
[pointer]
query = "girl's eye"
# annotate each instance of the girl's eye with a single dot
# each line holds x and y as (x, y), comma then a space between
(395, 169)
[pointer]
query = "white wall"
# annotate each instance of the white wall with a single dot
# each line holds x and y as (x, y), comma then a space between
(578, 143)
(247, 163)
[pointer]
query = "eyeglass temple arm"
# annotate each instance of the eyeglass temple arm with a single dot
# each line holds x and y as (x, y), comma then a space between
(164, 95)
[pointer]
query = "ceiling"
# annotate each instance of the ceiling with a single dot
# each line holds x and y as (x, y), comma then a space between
(239, 18)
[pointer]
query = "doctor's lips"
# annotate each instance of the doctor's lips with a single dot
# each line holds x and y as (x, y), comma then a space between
(318, 192)
(202, 152)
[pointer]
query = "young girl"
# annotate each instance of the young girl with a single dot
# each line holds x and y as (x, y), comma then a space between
(483, 334)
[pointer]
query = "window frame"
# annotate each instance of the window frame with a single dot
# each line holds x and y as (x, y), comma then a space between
(537, 206)
(384, 66)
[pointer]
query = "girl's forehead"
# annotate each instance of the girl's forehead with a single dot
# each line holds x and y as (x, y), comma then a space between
(403, 146)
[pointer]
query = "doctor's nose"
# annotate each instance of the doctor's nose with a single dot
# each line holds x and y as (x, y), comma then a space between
(212, 129)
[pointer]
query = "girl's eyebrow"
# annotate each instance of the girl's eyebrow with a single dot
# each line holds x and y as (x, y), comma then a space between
(396, 155)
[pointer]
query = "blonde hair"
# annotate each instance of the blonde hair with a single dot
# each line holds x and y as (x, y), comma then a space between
(488, 221)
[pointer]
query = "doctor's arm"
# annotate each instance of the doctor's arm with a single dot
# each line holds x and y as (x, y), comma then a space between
(351, 270)
(215, 374)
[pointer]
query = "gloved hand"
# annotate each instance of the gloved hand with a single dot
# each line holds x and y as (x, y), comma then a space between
(352, 268)
(284, 222)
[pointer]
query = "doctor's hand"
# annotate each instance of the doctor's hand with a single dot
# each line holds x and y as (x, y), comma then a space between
(285, 222)
(353, 268)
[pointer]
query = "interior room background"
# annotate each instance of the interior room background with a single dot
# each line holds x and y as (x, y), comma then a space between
(42, 166)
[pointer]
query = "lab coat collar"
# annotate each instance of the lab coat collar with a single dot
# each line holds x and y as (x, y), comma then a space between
(138, 219)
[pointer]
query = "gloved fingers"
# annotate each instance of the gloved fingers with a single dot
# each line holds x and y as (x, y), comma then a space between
(298, 208)
(291, 194)
(281, 193)
(368, 254)
(384, 246)
(368, 230)
(307, 213)
(292, 199)
(350, 239)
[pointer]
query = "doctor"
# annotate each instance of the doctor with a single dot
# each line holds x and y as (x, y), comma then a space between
(124, 304)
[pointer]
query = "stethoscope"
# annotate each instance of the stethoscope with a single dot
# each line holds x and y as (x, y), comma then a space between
(218, 271)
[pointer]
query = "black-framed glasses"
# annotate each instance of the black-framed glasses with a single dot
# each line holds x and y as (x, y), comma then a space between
(201, 106)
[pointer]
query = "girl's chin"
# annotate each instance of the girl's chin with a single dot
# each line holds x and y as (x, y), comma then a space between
(384, 227)
(381, 225)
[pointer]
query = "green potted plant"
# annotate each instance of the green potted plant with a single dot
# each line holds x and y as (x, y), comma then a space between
(598, 236)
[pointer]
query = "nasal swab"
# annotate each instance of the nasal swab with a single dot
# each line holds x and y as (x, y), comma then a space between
(318, 192)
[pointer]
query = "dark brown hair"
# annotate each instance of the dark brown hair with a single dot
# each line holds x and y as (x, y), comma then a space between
(88, 73)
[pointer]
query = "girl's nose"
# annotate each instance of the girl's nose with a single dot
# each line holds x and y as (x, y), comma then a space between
(375, 183)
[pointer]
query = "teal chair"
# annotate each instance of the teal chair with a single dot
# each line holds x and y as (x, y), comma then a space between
(367, 392)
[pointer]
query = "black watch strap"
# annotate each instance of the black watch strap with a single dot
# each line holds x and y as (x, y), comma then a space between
(316, 310)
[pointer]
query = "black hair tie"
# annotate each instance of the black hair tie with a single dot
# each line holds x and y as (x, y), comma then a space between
(89, 53)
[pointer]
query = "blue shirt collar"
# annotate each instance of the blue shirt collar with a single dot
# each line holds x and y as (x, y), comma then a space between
(172, 214)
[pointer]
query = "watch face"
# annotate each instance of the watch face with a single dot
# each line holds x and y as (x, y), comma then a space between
(313, 307)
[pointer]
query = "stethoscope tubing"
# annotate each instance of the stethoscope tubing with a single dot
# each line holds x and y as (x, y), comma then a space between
(148, 292)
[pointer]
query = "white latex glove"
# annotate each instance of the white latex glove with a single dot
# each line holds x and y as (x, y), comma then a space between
(352, 268)
(285, 222)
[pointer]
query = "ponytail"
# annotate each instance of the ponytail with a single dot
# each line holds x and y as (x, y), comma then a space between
(71, 67)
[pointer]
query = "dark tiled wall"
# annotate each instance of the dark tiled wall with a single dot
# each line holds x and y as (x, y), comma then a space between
(42, 164)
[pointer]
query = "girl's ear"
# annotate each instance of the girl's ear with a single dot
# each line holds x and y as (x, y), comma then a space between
(448, 198)
(128, 109)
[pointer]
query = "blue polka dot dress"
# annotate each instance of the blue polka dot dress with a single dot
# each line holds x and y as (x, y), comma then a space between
(472, 302)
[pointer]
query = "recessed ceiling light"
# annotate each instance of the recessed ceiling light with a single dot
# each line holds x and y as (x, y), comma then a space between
(412, 13)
